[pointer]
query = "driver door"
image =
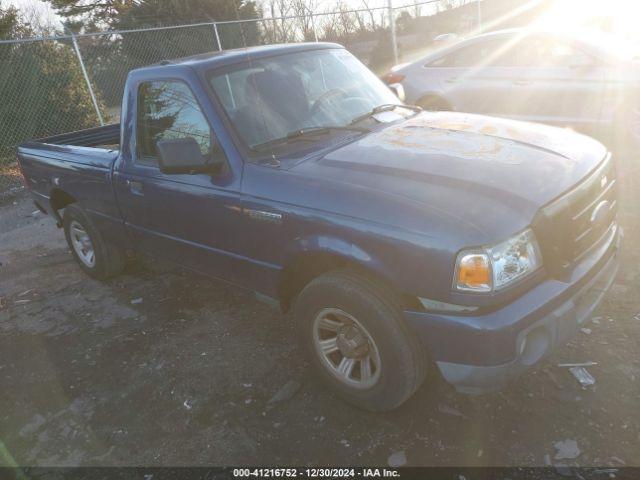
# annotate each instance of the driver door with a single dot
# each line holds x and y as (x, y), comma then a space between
(189, 219)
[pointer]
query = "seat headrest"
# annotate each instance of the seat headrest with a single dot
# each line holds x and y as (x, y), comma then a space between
(283, 93)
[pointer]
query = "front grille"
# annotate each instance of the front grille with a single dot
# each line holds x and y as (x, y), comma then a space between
(569, 227)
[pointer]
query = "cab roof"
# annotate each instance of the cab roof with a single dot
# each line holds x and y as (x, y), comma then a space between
(239, 55)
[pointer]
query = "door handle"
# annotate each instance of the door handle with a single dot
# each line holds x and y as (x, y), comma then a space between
(521, 81)
(135, 187)
(451, 80)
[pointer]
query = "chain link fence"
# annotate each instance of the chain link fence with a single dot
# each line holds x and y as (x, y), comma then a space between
(64, 83)
(34, 78)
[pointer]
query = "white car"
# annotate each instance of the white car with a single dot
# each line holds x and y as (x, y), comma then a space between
(585, 82)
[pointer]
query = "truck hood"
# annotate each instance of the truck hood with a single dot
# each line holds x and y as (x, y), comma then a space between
(472, 167)
(528, 162)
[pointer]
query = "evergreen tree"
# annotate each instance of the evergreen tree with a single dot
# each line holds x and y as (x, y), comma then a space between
(43, 89)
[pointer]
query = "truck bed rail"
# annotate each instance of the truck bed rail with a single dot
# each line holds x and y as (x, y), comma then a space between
(90, 137)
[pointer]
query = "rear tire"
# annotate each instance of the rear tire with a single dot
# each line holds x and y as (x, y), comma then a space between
(385, 364)
(96, 257)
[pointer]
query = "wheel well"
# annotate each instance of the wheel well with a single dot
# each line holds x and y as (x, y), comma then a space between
(309, 266)
(434, 99)
(59, 199)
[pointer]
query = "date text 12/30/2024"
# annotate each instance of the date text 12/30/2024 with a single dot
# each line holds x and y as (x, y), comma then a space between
(315, 473)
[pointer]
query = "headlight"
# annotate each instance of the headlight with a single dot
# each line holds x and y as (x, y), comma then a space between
(492, 268)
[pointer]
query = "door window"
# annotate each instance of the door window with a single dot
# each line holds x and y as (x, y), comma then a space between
(495, 53)
(167, 110)
(551, 52)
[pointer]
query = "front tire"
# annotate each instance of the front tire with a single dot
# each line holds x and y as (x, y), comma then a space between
(97, 257)
(353, 330)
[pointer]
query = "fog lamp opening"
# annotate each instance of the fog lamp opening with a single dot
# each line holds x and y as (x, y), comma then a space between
(534, 346)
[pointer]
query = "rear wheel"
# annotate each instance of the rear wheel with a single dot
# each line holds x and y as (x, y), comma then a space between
(94, 254)
(355, 335)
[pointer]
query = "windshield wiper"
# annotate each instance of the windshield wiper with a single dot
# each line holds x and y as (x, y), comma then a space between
(304, 132)
(384, 108)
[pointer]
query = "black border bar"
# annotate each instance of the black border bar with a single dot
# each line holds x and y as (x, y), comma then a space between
(320, 473)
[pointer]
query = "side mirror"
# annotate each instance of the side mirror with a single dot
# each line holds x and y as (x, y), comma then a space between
(183, 155)
(398, 89)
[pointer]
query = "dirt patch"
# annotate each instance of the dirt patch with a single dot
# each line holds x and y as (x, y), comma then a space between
(10, 179)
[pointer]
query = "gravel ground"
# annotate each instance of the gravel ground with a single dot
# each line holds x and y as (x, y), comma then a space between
(161, 367)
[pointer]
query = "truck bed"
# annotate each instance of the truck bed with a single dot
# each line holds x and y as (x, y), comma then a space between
(107, 136)
(78, 163)
(93, 147)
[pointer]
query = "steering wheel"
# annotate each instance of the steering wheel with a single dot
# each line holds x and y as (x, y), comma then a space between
(326, 96)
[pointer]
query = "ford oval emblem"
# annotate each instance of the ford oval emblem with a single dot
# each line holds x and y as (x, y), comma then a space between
(599, 214)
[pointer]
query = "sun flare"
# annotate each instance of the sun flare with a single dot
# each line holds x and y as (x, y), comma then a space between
(619, 17)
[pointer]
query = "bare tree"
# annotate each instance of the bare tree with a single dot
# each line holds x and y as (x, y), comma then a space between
(282, 30)
(361, 22)
(449, 4)
(336, 23)
(287, 27)
(346, 21)
(417, 11)
(330, 27)
(304, 21)
(39, 16)
(371, 14)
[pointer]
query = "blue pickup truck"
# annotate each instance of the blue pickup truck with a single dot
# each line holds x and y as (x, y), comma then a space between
(405, 243)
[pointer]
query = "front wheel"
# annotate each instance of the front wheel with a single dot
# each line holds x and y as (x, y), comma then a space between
(353, 331)
(97, 257)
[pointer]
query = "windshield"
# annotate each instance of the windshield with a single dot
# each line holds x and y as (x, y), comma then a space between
(268, 98)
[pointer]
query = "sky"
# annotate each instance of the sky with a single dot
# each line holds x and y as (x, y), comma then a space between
(40, 8)
(625, 13)
(44, 9)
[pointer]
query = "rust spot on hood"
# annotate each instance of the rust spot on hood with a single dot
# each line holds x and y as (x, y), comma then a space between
(489, 130)
(523, 132)
(455, 138)
(474, 136)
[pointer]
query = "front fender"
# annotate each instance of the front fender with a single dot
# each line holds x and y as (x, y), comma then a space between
(337, 248)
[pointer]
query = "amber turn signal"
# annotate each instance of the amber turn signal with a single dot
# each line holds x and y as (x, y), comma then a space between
(474, 273)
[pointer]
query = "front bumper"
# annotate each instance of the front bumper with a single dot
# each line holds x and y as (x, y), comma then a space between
(479, 354)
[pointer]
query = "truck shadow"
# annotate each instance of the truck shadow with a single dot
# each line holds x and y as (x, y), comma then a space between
(165, 367)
